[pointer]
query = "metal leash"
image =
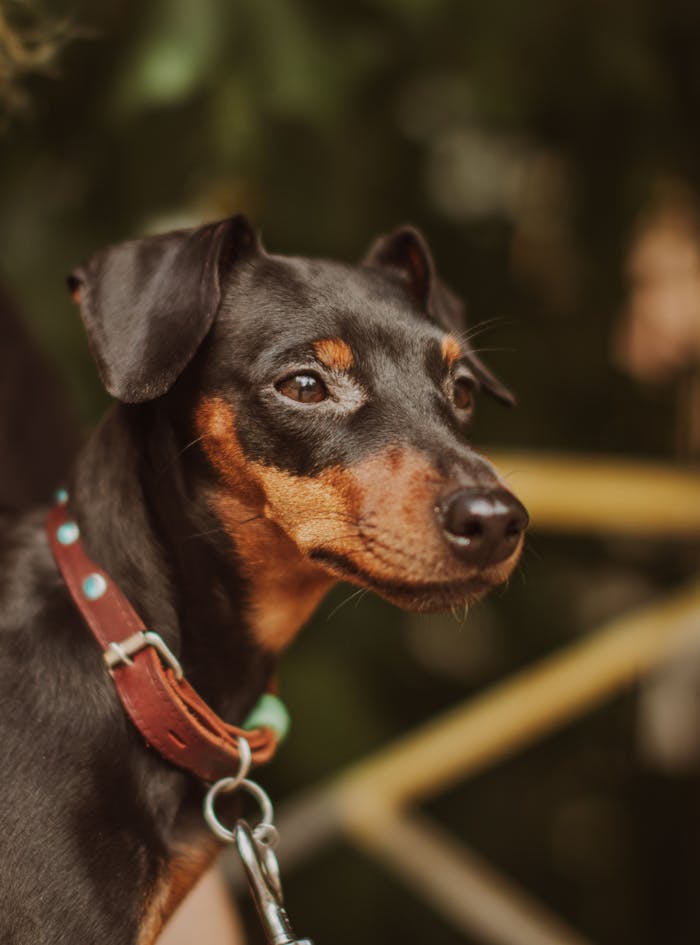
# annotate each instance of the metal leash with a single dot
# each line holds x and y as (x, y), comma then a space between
(256, 848)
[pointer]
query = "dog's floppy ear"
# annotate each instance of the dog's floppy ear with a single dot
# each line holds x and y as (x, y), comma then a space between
(147, 304)
(405, 253)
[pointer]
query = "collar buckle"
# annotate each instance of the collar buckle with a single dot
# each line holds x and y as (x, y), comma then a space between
(120, 653)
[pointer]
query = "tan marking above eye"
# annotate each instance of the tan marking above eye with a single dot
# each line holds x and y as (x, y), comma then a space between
(451, 349)
(334, 353)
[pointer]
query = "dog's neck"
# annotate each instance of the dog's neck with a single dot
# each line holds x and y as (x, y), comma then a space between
(144, 519)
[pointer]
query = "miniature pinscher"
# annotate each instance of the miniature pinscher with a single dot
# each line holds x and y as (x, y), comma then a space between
(282, 423)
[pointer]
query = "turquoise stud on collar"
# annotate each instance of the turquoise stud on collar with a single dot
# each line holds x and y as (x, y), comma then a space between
(61, 496)
(269, 712)
(68, 533)
(94, 586)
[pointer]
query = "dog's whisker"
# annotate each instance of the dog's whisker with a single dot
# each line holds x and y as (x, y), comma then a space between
(460, 615)
(532, 551)
(346, 600)
(179, 453)
(191, 444)
(492, 350)
(253, 518)
(364, 591)
(211, 531)
(470, 333)
(220, 528)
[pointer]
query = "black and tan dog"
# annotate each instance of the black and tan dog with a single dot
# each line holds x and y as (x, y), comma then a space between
(283, 423)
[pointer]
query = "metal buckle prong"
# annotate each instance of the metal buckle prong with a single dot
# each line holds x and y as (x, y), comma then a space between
(120, 653)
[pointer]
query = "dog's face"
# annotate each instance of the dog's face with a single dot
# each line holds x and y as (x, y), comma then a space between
(333, 403)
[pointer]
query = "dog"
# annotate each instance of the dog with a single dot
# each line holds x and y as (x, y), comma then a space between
(281, 423)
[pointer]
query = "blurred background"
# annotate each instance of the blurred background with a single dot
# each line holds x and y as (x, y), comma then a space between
(550, 151)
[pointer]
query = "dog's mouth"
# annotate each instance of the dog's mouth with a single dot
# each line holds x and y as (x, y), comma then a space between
(425, 596)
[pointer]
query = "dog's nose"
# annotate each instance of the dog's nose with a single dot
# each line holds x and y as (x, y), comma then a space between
(483, 526)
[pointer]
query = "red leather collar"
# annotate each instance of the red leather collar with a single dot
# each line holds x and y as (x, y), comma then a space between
(167, 711)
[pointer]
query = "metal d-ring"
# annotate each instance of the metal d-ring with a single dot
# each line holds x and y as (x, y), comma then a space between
(226, 785)
(266, 828)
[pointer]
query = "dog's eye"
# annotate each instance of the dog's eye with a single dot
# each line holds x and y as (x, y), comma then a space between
(304, 388)
(463, 393)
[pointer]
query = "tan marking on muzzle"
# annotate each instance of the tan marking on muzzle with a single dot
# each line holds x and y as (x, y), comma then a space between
(284, 586)
(378, 513)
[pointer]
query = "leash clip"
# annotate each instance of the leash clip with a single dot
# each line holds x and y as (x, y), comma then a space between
(255, 847)
(258, 858)
(119, 654)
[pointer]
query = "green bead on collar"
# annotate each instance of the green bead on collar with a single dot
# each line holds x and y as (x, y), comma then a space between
(269, 712)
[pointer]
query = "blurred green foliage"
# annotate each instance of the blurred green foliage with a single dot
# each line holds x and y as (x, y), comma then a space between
(524, 139)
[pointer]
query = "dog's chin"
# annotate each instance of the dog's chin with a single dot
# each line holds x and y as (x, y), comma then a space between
(434, 599)
(419, 596)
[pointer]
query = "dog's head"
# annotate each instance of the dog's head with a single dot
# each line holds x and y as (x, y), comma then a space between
(332, 402)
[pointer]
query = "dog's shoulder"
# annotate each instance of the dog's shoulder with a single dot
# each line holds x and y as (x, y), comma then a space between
(27, 572)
